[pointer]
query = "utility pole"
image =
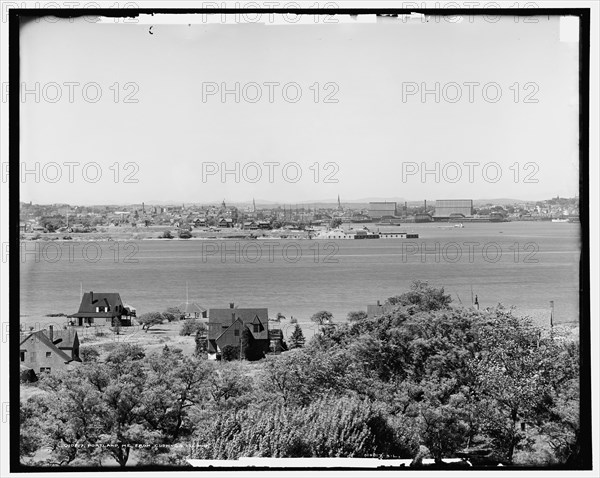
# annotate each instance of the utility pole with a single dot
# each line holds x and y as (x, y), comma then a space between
(551, 314)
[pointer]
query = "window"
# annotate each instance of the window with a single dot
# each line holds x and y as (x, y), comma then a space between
(48, 354)
(101, 308)
(256, 328)
(22, 355)
(45, 369)
(236, 332)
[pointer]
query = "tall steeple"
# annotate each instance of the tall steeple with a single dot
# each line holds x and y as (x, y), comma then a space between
(253, 205)
(339, 203)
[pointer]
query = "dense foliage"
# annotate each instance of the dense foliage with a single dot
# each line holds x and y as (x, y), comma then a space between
(423, 379)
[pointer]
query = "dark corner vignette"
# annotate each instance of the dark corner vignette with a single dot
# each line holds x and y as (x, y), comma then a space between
(18, 17)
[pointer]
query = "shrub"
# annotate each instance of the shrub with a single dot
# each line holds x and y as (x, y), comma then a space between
(166, 235)
(176, 312)
(169, 316)
(230, 352)
(191, 327)
(185, 234)
(89, 354)
(328, 427)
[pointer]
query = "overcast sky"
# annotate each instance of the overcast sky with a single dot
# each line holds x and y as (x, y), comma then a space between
(375, 131)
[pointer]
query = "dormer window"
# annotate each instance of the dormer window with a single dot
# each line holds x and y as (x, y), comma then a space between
(102, 308)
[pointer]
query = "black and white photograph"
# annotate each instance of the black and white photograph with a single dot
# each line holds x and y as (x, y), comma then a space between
(266, 238)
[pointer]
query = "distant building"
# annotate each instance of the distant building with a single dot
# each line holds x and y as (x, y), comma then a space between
(47, 350)
(378, 309)
(103, 305)
(453, 208)
(192, 310)
(378, 210)
(225, 327)
(423, 217)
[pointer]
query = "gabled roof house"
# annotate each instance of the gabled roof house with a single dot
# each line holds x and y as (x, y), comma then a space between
(226, 325)
(105, 306)
(47, 350)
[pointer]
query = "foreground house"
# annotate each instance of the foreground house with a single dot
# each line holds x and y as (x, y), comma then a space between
(103, 308)
(47, 350)
(225, 327)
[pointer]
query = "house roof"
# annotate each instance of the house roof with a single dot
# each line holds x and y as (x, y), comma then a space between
(191, 307)
(224, 316)
(219, 318)
(64, 338)
(91, 300)
(42, 337)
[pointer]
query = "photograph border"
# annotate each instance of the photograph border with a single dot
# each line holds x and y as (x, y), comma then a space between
(16, 16)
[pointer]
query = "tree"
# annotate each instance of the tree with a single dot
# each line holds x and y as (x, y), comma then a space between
(107, 410)
(514, 375)
(52, 223)
(423, 297)
(356, 316)
(191, 326)
(176, 311)
(166, 235)
(279, 316)
(322, 318)
(297, 338)
(229, 387)
(170, 317)
(150, 319)
(335, 223)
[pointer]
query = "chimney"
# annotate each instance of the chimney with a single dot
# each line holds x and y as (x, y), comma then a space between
(51, 333)
(425, 205)
(92, 296)
(231, 305)
(378, 303)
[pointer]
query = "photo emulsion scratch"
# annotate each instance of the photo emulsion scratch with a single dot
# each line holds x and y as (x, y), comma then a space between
(311, 239)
